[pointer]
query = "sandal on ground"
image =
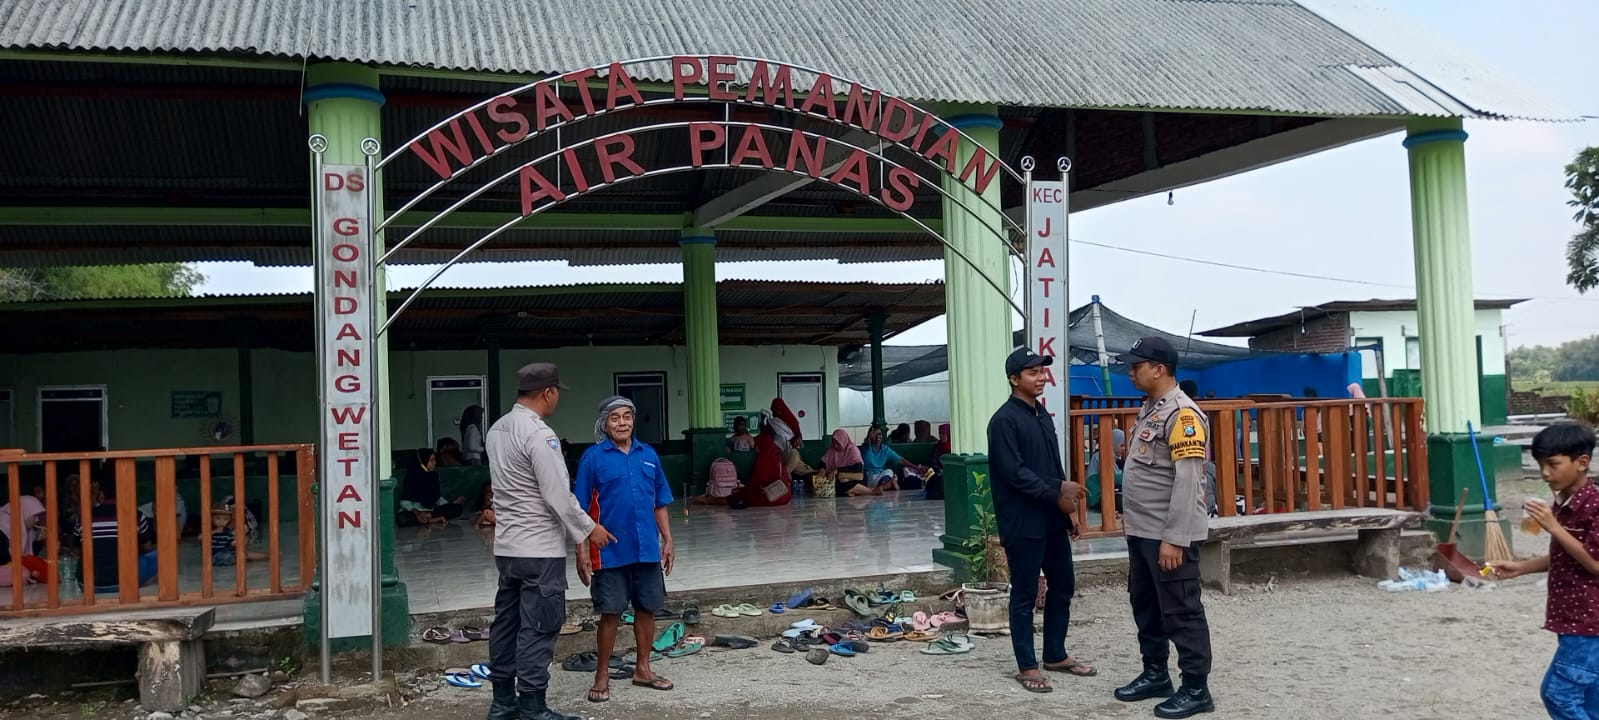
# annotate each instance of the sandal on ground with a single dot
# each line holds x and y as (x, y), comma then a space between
(948, 646)
(622, 673)
(1034, 683)
(725, 611)
(784, 645)
(463, 680)
(816, 656)
(921, 636)
(654, 683)
(599, 695)
(1071, 667)
(436, 635)
(687, 648)
(842, 649)
(798, 600)
(749, 610)
(581, 662)
(669, 637)
(778, 609)
(691, 614)
(480, 671)
(475, 634)
(734, 642)
(666, 614)
(570, 629)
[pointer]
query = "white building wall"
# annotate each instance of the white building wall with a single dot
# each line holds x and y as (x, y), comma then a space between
(1395, 327)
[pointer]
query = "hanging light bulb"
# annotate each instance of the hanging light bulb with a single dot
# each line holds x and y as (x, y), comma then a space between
(1170, 200)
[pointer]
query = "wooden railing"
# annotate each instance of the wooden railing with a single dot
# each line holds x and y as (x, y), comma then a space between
(62, 581)
(1278, 456)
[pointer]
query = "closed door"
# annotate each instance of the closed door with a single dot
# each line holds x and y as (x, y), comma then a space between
(803, 394)
(648, 393)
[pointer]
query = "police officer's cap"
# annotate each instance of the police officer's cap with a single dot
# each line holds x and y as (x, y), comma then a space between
(1024, 358)
(534, 377)
(1150, 349)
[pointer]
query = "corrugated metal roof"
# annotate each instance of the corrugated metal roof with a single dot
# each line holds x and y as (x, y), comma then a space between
(1250, 328)
(1263, 55)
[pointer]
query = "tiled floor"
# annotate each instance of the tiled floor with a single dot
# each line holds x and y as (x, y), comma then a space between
(812, 539)
(452, 568)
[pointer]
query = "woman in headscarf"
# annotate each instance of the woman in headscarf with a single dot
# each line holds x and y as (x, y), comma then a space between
(787, 425)
(421, 500)
(901, 434)
(769, 484)
(1118, 448)
(34, 568)
(843, 463)
(472, 448)
(878, 456)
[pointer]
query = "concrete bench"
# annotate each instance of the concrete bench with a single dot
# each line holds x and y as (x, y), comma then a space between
(171, 653)
(1377, 531)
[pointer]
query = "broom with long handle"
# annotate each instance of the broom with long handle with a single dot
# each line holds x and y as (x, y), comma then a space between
(1494, 547)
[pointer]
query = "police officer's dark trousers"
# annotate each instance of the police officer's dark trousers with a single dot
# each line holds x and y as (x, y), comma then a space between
(529, 607)
(1167, 608)
(1026, 557)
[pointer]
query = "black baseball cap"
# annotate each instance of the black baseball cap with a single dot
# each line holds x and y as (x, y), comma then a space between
(534, 377)
(1149, 349)
(1024, 358)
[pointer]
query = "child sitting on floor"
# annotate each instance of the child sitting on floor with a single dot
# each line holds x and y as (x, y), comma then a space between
(485, 516)
(223, 548)
(1563, 452)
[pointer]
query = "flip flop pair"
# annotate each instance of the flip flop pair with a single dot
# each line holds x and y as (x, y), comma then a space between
(956, 644)
(670, 637)
(736, 611)
(462, 678)
(849, 648)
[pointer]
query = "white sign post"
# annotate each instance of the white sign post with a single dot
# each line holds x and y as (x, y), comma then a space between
(349, 496)
(1046, 297)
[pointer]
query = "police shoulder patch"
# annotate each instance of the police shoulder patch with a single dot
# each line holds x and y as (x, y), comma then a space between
(1186, 435)
(555, 443)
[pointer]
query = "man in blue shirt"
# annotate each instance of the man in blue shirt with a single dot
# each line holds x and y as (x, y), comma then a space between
(621, 481)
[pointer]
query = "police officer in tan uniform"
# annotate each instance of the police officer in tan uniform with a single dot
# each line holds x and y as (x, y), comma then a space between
(1165, 517)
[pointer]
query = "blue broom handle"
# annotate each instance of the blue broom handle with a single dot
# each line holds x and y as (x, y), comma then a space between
(1487, 502)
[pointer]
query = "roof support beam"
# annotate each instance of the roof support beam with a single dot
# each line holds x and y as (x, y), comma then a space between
(771, 186)
(301, 217)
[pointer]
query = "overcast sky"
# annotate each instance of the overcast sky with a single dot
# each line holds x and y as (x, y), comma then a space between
(1342, 215)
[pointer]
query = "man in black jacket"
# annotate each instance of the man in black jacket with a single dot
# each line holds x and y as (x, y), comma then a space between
(1032, 502)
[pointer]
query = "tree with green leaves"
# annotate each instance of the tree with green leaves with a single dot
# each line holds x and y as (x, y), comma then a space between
(1582, 253)
(103, 281)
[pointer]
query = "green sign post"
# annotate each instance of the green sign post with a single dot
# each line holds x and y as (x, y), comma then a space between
(732, 397)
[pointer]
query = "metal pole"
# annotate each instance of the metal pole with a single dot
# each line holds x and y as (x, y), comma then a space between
(375, 291)
(1027, 258)
(1099, 339)
(318, 144)
(1064, 164)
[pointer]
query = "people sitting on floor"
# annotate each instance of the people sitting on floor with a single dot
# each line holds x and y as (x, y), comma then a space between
(449, 453)
(421, 500)
(933, 489)
(34, 568)
(924, 433)
(103, 533)
(842, 463)
(901, 434)
(741, 440)
(485, 513)
(224, 542)
(1118, 448)
(878, 456)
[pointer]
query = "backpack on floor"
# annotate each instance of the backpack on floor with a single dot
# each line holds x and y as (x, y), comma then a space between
(724, 479)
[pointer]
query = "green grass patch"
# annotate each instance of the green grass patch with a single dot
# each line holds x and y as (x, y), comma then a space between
(1556, 388)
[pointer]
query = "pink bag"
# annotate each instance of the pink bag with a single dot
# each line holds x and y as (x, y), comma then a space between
(724, 479)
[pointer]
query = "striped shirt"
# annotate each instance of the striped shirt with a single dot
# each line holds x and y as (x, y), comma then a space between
(104, 530)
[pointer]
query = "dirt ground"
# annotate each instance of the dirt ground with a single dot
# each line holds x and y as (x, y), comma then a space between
(1302, 648)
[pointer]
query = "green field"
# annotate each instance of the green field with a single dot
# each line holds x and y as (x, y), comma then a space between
(1556, 388)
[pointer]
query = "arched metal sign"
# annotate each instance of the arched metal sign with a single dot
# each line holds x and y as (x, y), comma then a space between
(349, 256)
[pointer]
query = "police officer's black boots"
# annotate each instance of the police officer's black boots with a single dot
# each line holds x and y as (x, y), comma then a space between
(505, 706)
(1155, 682)
(1191, 699)
(534, 708)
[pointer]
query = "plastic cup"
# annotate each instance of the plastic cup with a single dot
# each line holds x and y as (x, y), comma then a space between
(1529, 524)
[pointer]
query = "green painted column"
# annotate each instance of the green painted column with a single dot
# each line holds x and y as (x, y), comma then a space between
(874, 325)
(1445, 312)
(246, 329)
(705, 434)
(978, 319)
(343, 103)
(492, 332)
